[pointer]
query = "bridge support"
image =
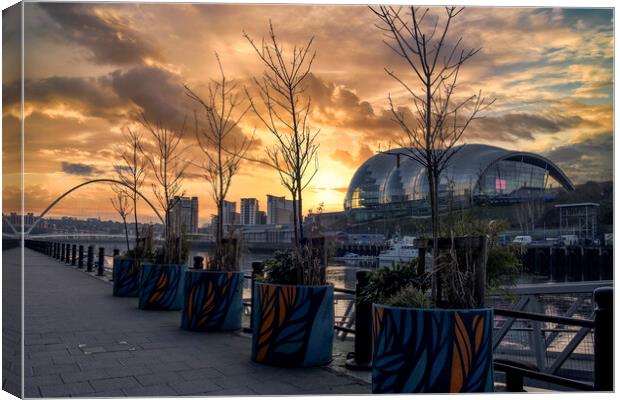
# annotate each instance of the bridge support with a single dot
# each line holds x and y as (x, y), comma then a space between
(73, 254)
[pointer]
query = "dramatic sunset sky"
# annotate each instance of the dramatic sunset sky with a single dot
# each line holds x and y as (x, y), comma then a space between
(90, 67)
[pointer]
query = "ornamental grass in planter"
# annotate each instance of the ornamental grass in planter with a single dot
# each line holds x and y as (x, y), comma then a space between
(422, 345)
(293, 310)
(213, 296)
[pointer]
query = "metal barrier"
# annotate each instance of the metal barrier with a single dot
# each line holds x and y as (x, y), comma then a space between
(539, 329)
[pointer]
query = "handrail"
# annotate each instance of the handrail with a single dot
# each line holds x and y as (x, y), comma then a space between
(586, 323)
(542, 376)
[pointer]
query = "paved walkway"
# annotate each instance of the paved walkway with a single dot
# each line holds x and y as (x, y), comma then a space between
(82, 341)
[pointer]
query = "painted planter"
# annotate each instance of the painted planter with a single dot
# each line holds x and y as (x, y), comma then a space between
(432, 350)
(213, 301)
(126, 277)
(292, 326)
(161, 286)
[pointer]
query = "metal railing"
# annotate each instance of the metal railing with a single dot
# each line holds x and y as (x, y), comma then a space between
(559, 334)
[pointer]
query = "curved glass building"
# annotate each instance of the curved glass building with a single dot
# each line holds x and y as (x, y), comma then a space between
(475, 173)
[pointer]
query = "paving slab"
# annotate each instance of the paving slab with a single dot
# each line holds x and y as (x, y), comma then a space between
(82, 341)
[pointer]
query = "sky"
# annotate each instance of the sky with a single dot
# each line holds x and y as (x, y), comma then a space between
(90, 68)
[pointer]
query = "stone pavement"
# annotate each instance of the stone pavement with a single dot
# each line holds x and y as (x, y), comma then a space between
(81, 341)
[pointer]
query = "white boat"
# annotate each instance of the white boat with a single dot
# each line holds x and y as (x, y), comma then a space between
(401, 251)
(355, 260)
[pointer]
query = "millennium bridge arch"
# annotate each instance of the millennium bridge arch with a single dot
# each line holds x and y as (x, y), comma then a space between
(92, 181)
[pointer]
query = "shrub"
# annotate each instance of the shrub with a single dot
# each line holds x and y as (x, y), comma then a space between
(385, 282)
(280, 269)
(408, 296)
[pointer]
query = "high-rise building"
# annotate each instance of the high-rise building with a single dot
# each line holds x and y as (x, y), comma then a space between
(184, 214)
(249, 212)
(29, 219)
(279, 210)
(229, 213)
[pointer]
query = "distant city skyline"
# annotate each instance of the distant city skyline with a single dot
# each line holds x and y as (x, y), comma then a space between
(90, 67)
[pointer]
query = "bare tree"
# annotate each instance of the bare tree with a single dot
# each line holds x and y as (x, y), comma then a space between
(223, 154)
(168, 170)
(121, 204)
(286, 111)
(439, 118)
(132, 172)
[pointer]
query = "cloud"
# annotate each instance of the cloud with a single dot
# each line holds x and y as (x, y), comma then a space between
(79, 169)
(105, 33)
(591, 159)
(340, 107)
(521, 125)
(353, 161)
(157, 92)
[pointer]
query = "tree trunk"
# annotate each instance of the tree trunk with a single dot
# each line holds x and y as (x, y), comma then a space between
(126, 232)
(300, 215)
(295, 232)
(433, 192)
(135, 219)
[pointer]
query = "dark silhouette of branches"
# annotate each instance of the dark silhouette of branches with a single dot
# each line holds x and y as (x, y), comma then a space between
(439, 119)
(223, 153)
(121, 204)
(132, 171)
(285, 115)
(168, 170)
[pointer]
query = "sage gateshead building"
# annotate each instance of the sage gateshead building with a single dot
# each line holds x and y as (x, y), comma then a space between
(390, 182)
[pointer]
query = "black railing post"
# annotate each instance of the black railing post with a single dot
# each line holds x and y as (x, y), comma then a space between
(115, 252)
(362, 354)
(198, 262)
(90, 258)
(257, 270)
(68, 254)
(73, 254)
(81, 257)
(604, 339)
(514, 382)
(101, 261)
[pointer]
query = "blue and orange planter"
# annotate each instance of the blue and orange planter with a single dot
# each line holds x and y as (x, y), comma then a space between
(213, 301)
(292, 326)
(432, 350)
(161, 286)
(126, 277)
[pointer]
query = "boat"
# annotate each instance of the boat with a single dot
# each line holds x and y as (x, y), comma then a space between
(401, 251)
(356, 260)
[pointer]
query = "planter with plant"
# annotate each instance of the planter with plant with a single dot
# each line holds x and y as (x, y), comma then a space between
(213, 296)
(128, 266)
(429, 346)
(125, 276)
(162, 279)
(293, 311)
